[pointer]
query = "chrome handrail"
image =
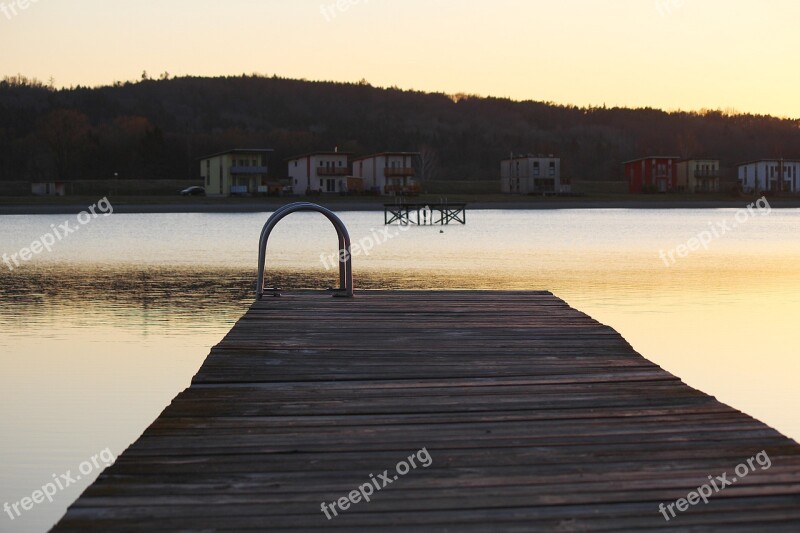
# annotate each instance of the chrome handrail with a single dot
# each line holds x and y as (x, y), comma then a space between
(345, 267)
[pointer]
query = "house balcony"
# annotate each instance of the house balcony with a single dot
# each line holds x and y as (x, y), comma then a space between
(248, 170)
(332, 171)
(399, 172)
(706, 173)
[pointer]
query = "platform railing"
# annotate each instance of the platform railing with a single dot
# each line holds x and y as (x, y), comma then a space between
(344, 256)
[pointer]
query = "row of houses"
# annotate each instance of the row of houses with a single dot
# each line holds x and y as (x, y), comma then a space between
(391, 173)
(246, 171)
(540, 174)
(670, 173)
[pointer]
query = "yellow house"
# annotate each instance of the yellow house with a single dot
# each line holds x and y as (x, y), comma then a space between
(698, 175)
(236, 172)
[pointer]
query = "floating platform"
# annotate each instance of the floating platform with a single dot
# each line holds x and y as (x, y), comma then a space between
(534, 416)
(441, 214)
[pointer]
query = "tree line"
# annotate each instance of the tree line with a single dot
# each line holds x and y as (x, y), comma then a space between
(154, 129)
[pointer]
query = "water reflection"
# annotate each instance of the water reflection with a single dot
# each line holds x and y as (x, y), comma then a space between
(88, 358)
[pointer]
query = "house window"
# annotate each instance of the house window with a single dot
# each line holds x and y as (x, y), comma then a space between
(535, 168)
(552, 168)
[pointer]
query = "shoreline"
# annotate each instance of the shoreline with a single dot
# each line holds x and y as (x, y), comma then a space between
(269, 205)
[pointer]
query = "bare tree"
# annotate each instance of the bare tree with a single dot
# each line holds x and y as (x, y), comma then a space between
(428, 164)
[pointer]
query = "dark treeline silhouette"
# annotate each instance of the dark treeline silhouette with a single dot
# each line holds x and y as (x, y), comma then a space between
(160, 128)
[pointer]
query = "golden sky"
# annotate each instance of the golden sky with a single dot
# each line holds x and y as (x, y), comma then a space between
(671, 54)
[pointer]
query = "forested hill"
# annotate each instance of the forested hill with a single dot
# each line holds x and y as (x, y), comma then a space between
(159, 128)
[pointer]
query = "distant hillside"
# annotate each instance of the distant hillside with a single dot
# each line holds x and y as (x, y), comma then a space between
(159, 128)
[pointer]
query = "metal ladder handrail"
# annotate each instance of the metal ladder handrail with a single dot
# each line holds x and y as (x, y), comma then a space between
(345, 267)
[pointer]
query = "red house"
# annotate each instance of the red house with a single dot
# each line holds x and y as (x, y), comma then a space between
(652, 174)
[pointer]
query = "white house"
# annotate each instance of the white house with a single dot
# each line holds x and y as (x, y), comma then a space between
(390, 173)
(777, 175)
(531, 174)
(239, 171)
(321, 172)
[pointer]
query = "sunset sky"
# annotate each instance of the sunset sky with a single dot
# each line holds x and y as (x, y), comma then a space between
(672, 54)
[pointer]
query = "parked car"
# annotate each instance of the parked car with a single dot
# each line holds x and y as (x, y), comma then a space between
(193, 191)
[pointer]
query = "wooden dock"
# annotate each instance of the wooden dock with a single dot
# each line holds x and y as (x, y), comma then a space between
(431, 214)
(535, 418)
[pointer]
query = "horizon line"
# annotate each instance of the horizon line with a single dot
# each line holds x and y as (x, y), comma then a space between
(455, 97)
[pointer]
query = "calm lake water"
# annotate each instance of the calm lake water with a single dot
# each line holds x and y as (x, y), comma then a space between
(98, 335)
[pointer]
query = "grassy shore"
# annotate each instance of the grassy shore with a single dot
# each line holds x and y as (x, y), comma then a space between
(178, 204)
